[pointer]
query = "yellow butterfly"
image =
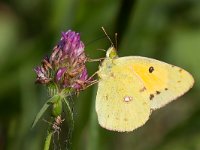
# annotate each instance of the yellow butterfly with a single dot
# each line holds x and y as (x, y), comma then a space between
(131, 87)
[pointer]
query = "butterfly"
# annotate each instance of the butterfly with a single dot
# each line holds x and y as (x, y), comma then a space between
(130, 87)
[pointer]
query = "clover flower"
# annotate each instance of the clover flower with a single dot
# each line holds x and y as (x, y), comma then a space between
(64, 73)
(66, 65)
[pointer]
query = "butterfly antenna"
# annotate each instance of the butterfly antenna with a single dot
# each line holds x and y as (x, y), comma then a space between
(108, 36)
(116, 40)
(100, 49)
(90, 42)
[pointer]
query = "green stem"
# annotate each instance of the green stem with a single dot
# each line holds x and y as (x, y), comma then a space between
(48, 141)
(69, 110)
(53, 89)
(71, 122)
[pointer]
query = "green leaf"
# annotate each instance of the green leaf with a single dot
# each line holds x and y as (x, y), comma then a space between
(44, 108)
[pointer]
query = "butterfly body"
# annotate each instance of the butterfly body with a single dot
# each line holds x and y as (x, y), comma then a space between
(130, 87)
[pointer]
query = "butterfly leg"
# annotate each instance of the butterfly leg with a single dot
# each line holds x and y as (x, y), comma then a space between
(95, 60)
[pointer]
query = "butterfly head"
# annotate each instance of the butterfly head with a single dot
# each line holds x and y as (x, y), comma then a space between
(111, 53)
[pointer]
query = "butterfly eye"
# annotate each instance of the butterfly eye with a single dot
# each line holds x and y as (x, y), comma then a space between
(151, 69)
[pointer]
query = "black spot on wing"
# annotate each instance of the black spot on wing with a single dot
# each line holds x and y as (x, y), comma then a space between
(151, 69)
(157, 92)
(151, 96)
(166, 89)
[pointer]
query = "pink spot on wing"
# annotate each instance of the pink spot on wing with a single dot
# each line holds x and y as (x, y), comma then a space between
(127, 98)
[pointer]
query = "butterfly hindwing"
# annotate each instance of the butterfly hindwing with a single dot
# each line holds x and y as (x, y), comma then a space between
(120, 105)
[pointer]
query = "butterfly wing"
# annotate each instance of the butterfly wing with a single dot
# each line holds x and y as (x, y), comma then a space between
(120, 106)
(164, 82)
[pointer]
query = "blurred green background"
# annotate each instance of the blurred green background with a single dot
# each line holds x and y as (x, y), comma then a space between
(168, 30)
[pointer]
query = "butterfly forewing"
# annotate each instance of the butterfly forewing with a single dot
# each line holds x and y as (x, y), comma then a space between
(164, 82)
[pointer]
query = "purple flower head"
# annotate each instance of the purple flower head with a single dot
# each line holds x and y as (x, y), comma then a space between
(60, 73)
(70, 44)
(83, 79)
(42, 76)
(84, 75)
(66, 64)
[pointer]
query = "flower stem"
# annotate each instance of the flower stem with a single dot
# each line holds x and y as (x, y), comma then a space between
(48, 141)
(70, 113)
(71, 123)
